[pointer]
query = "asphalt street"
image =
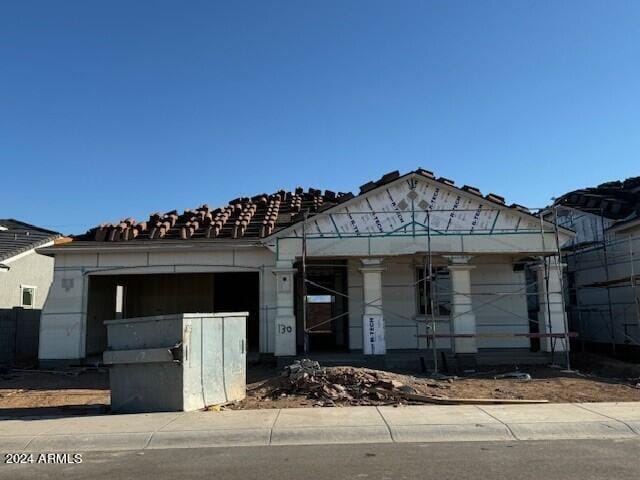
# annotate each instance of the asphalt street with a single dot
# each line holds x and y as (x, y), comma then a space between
(571, 459)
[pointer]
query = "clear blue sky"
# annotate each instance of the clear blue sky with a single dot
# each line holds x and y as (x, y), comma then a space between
(113, 108)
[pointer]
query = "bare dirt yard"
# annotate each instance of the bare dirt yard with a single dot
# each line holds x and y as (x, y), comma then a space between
(31, 391)
(601, 380)
(595, 379)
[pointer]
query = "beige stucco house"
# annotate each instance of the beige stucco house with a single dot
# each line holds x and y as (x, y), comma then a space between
(410, 263)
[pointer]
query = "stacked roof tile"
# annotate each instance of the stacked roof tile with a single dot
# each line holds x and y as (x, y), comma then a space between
(254, 217)
(244, 217)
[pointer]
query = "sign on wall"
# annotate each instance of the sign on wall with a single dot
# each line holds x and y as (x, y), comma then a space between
(373, 331)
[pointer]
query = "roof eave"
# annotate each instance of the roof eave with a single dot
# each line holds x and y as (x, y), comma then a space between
(147, 245)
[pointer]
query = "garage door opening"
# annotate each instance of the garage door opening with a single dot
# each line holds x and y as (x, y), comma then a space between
(129, 296)
(240, 292)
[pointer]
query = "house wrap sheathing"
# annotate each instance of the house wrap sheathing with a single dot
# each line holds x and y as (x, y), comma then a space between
(410, 261)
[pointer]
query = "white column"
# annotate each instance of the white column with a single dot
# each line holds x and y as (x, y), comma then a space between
(373, 341)
(551, 317)
(285, 321)
(462, 314)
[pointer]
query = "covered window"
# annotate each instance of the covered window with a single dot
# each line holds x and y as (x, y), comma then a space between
(441, 291)
(27, 296)
(320, 299)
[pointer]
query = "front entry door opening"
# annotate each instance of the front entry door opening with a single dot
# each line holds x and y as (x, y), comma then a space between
(327, 319)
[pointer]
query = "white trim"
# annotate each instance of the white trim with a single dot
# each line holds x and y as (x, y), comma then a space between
(28, 252)
(154, 246)
(33, 295)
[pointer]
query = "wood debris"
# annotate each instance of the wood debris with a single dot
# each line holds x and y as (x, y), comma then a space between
(343, 386)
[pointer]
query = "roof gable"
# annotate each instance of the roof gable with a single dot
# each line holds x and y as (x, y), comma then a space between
(414, 202)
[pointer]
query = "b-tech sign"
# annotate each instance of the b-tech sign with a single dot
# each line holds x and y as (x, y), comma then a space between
(373, 332)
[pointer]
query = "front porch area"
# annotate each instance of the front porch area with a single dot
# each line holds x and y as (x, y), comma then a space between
(411, 312)
(414, 360)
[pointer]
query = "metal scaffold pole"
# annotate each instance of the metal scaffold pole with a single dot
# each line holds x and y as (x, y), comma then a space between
(561, 278)
(607, 278)
(429, 271)
(304, 285)
(545, 265)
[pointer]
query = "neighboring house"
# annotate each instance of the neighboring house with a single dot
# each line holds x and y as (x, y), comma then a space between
(25, 277)
(325, 272)
(603, 264)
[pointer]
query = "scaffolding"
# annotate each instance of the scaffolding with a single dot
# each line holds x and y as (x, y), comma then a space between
(604, 265)
(420, 225)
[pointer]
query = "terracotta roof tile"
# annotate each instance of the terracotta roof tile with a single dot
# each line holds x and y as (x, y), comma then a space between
(249, 217)
(244, 217)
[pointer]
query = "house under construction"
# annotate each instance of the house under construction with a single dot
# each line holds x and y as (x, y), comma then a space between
(603, 265)
(411, 266)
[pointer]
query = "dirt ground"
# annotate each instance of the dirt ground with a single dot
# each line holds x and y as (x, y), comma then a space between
(546, 383)
(596, 379)
(42, 391)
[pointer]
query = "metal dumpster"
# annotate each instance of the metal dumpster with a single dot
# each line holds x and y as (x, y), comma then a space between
(178, 362)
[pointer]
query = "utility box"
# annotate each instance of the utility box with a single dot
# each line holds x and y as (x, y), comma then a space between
(178, 362)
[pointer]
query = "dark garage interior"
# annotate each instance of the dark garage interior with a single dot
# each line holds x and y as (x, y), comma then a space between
(163, 294)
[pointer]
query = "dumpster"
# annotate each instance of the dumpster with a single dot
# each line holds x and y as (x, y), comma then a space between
(178, 362)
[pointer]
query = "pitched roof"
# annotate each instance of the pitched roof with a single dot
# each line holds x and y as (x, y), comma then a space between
(618, 200)
(17, 237)
(251, 217)
(244, 217)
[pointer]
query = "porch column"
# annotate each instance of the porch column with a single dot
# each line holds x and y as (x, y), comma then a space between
(551, 316)
(462, 314)
(373, 341)
(285, 321)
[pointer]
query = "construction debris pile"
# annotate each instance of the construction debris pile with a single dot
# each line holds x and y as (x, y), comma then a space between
(329, 386)
(306, 383)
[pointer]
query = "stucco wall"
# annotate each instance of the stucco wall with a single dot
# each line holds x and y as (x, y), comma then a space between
(34, 270)
(492, 277)
(19, 327)
(499, 302)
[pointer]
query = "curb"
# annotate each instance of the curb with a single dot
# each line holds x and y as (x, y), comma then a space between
(330, 435)
(320, 435)
(88, 442)
(217, 438)
(451, 433)
(569, 431)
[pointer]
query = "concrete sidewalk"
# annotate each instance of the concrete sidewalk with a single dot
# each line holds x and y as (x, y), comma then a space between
(299, 426)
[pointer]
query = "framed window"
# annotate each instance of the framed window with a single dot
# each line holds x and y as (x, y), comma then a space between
(441, 291)
(27, 296)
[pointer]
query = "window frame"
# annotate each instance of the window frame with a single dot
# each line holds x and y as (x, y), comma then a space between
(33, 289)
(441, 303)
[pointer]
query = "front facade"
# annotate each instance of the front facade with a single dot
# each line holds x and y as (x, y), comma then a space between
(25, 277)
(409, 263)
